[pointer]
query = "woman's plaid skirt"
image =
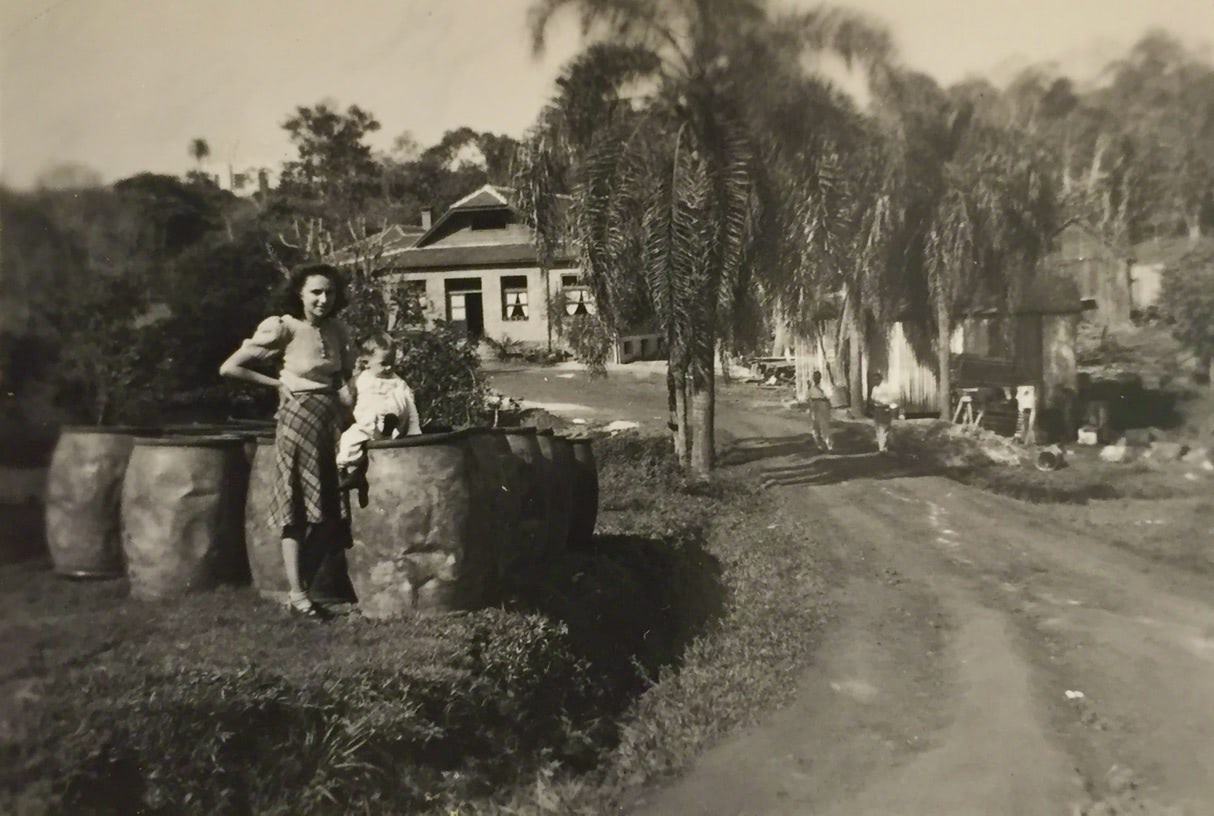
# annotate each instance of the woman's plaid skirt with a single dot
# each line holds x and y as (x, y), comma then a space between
(305, 487)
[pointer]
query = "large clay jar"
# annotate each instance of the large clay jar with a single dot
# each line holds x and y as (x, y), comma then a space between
(262, 541)
(84, 499)
(502, 493)
(322, 562)
(585, 492)
(530, 473)
(422, 544)
(558, 455)
(183, 514)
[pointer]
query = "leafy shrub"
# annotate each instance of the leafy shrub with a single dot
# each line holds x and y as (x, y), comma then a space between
(361, 731)
(590, 340)
(505, 348)
(545, 356)
(1187, 297)
(444, 371)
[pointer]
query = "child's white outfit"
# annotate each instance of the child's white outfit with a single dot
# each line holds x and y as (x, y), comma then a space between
(376, 398)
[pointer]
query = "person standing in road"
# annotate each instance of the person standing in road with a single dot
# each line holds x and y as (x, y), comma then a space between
(819, 412)
(885, 408)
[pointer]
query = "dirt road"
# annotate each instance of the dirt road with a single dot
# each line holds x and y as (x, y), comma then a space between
(980, 662)
(983, 660)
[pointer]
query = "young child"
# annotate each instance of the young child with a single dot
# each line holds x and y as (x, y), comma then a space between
(383, 409)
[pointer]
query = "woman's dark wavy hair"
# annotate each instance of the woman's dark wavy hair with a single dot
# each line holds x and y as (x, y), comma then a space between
(288, 298)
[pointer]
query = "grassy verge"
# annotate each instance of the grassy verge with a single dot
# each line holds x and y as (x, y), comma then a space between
(603, 669)
(1173, 531)
(744, 663)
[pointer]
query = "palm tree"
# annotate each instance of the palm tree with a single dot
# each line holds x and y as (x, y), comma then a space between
(674, 190)
(199, 150)
(992, 221)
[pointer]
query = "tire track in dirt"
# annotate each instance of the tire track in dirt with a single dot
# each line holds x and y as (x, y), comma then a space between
(1126, 646)
(920, 700)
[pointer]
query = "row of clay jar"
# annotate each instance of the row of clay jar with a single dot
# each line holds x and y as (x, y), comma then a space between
(449, 515)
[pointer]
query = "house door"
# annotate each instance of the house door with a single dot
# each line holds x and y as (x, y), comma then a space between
(465, 307)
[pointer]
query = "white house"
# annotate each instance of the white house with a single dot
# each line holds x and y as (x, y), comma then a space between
(477, 267)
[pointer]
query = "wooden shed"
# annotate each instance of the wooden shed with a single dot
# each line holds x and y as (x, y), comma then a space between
(1038, 339)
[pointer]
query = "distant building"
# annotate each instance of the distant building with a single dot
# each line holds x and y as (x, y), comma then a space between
(242, 182)
(477, 267)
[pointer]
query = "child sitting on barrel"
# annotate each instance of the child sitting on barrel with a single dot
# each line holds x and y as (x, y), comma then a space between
(383, 409)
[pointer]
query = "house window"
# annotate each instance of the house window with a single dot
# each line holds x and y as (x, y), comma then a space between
(490, 221)
(579, 300)
(514, 298)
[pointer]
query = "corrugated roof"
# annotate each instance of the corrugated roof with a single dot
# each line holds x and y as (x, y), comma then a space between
(469, 235)
(440, 257)
(391, 241)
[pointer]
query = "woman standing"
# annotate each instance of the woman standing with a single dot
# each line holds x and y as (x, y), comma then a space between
(316, 359)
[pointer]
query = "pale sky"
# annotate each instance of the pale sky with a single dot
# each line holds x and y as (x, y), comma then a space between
(124, 85)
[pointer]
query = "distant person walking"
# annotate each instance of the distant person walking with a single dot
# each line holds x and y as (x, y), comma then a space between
(885, 398)
(819, 412)
(316, 359)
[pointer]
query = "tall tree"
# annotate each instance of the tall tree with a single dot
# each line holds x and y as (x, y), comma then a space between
(652, 133)
(1187, 296)
(199, 151)
(334, 165)
(1164, 97)
(664, 187)
(993, 219)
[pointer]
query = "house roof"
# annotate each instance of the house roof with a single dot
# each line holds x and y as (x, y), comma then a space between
(448, 245)
(478, 255)
(487, 197)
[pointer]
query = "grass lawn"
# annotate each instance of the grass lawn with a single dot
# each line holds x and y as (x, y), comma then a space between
(601, 671)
